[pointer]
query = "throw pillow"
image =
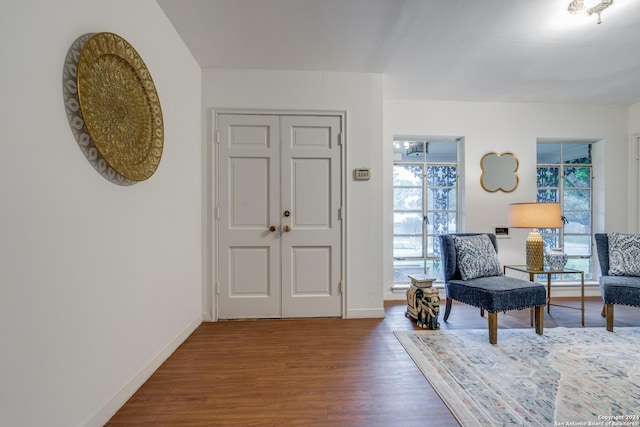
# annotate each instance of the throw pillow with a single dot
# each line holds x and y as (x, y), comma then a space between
(476, 257)
(624, 254)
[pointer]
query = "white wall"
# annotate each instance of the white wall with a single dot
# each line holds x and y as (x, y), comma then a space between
(360, 96)
(501, 127)
(634, 119)
(98, 282)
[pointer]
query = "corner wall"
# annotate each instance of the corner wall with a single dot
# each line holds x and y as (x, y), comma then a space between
(99, 283)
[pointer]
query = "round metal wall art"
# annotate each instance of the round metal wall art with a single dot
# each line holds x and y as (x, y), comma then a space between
(119, 108)
(72, 108)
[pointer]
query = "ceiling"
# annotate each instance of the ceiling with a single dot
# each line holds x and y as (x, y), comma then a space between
(458, 50)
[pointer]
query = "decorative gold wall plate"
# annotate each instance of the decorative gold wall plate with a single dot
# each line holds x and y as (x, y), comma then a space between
(120, 106)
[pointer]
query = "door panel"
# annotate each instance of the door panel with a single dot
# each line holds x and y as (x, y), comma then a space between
(282, 172)
(249, 191)
(311, 271)
(312, 180)
(249, 182)
(249, 282)
(311, 190)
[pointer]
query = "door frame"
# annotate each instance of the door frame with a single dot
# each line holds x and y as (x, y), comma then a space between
(210, 211)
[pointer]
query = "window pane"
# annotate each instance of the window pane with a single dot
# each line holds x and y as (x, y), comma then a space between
(576, 153)
(579, 223)
(577, 245)
(577, 200)
(548, 154)
(442, 152)
(549, 231)
(407, 199)
(550, 242)
(407, 247)
(408, 151)
(407, 223)
(414, 151)
(441, 176)
(442, 199)
(577, 177)
(434, 269)
(433, 246)
(403, 267)
(548, 177)
(548, 195)
(407, 175)
(441, 222)
(584, 264)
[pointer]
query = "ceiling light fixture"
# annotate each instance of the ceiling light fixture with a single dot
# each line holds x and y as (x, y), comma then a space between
(577, 5)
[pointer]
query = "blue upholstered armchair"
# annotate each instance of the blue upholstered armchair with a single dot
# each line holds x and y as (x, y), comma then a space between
(473, 275)
(619, 257)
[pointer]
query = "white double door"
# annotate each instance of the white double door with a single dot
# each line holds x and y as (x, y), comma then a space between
(278, 210)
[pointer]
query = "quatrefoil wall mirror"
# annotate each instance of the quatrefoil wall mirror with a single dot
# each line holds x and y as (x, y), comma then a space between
(499, 172)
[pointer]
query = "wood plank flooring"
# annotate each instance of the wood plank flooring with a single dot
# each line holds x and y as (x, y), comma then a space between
(314, 372)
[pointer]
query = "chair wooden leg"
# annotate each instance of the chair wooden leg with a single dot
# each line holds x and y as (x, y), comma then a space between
(539, 318)
(447, 309)
(482, 312)
(531, 313)
(493, 328)
(609, 311)
(604, 310)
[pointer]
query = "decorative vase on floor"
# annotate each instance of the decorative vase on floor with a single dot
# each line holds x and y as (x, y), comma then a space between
(556, 259)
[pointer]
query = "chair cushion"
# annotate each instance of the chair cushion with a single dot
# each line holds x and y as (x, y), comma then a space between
(620, 290)
(624, 254)
(476, 257)
(498, 293)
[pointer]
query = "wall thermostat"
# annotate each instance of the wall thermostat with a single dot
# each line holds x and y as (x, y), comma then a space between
(362, 174)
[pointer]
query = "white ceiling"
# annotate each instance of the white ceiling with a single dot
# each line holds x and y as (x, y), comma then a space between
(468, 50)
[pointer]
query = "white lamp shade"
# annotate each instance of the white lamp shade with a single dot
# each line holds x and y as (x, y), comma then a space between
(535, 215)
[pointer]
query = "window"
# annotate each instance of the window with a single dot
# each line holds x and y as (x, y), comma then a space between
(425, 191)
(564, 174)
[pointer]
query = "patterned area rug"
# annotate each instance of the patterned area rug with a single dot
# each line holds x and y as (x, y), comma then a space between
(584, 376)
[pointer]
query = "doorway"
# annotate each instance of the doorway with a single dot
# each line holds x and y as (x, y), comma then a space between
(278, 215)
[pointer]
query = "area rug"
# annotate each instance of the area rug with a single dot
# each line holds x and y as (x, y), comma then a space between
(585, 376)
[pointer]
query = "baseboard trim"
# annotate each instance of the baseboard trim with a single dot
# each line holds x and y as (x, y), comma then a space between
(365, 313)
(104, 414)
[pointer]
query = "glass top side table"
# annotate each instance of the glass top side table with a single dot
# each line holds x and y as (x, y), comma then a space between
(546, 271)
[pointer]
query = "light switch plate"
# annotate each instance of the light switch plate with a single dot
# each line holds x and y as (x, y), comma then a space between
(501, 231)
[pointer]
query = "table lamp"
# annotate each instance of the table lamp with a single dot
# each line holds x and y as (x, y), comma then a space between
(535, 215)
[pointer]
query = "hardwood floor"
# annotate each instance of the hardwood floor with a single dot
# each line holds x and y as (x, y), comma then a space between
(314, 372)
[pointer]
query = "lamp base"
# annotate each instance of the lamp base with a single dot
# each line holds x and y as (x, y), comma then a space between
(535, 251)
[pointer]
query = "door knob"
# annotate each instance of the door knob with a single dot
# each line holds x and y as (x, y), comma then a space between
(286, 228)
(287, 213)
(272, 228)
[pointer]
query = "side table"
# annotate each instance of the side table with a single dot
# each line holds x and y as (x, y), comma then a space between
(423, 302)
(549, 273)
